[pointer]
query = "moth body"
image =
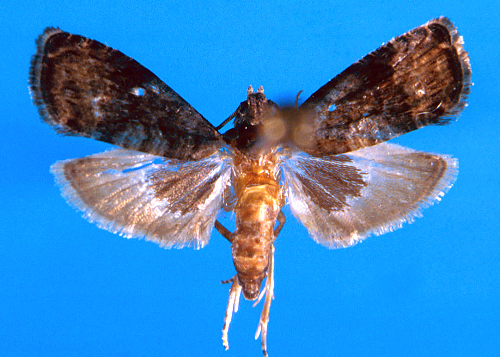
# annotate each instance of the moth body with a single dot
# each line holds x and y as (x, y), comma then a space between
(259, 200)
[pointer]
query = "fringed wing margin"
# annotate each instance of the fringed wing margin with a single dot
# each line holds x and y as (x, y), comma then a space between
(85, 88)
(171, 202)
(342, 199)
(417, 79)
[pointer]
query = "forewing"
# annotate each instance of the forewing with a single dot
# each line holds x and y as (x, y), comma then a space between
(342, 199)
(82, 87)
(171, 202)
(417, 79)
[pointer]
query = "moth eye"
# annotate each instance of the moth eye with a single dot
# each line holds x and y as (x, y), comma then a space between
(332, 107)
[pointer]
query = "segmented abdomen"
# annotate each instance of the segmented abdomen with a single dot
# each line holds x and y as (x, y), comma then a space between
(258, 203)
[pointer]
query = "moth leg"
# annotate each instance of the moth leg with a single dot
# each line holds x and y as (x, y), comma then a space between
(281, 220)
(227, 120)
(232, 305)
(297, 98)
(223, 231)
(269, 289)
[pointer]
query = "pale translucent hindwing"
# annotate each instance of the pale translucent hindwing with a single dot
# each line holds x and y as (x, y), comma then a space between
(171, 202)
(339, 209)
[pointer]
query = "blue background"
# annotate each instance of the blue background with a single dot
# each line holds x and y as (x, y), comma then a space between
(68, 288)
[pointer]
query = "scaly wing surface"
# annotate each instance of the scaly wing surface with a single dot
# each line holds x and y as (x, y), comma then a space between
(417, 79)
(342, 199)
(84, 88)
(171, 202)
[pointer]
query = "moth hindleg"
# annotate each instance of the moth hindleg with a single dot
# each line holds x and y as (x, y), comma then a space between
(232, 305)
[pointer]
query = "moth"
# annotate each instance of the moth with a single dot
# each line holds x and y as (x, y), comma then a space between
(327, 158)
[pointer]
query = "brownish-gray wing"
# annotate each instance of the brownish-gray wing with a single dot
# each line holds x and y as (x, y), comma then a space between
(342, 199)
(174, 203)
(417, 79)
(82, 87)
